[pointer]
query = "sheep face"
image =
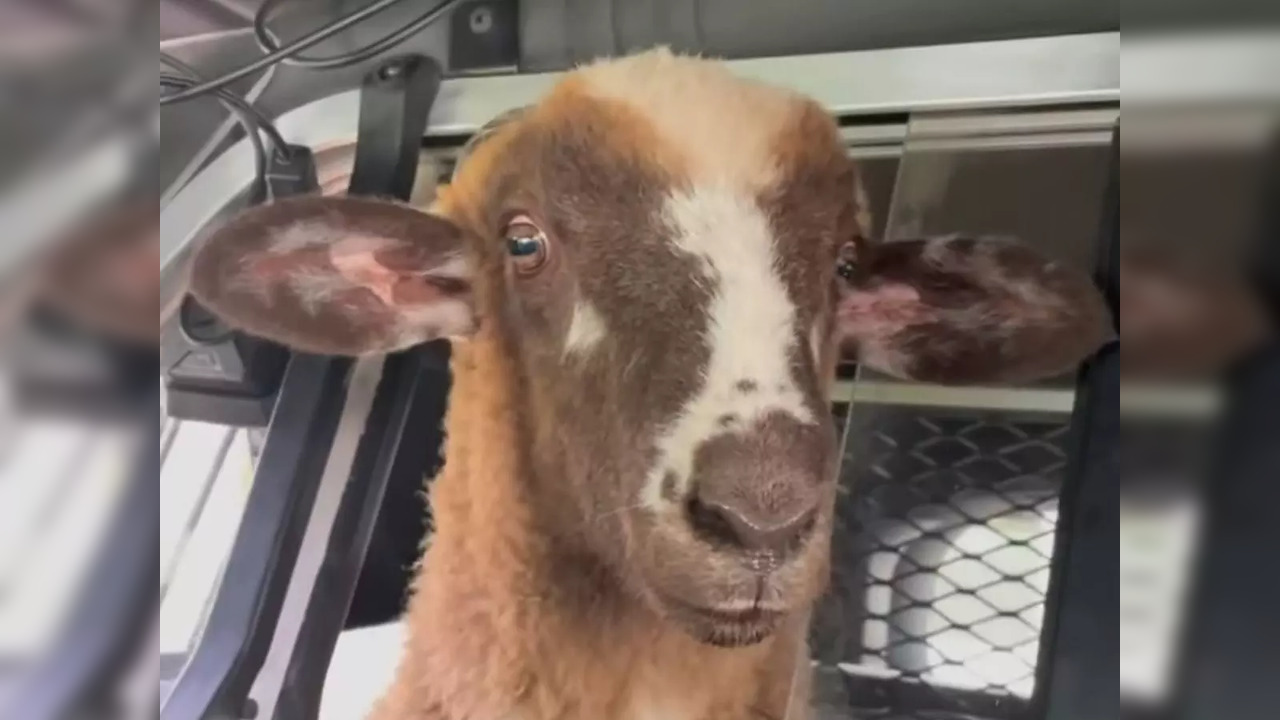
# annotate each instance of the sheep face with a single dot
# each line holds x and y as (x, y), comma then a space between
(670, 259)
(671, 237)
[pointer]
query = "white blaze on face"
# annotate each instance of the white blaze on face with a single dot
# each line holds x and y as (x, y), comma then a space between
(586, 329)
(725, 132)
(751, 328)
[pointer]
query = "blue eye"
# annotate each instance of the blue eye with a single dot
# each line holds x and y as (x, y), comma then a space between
(526, 244)
(522, 246)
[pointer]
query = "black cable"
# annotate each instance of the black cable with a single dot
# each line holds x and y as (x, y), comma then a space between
(250, 129)
(247, 115)
(250, 117)
(269, 43)
(231, 98)
(294, 48)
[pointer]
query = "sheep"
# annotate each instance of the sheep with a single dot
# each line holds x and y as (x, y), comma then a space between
(648, 278)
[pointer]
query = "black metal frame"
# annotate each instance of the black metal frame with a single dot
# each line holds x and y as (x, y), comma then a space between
(240, 627)
(395, 102)
(898, 698)
(1079, 657)
(401, 444)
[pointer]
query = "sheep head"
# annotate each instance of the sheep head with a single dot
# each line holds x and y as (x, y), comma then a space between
(673, 257)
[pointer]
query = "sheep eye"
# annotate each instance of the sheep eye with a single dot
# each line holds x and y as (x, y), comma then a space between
(847, 261)
(526, 244)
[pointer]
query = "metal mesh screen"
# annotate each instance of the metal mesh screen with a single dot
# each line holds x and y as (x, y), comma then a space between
(944, 534)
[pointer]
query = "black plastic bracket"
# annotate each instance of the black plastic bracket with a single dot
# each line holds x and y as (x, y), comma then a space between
(292, 174)
(395, 101)
(484, 37)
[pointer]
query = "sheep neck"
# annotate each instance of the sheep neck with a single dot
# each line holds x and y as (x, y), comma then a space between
(507, 623)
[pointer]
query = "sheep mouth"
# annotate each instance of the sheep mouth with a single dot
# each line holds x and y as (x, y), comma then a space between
(724, 628)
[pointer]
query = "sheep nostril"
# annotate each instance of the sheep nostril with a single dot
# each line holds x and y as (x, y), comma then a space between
(772, 533)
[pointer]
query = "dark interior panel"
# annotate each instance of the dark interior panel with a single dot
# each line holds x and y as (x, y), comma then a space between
(556, 34)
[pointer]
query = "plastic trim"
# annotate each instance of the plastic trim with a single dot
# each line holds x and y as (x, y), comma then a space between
(1013, 73)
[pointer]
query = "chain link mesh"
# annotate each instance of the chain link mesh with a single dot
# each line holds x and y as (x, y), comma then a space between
(944, 534)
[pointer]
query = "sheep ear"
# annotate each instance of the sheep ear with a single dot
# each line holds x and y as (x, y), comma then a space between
(961, 310)
(337, 275)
